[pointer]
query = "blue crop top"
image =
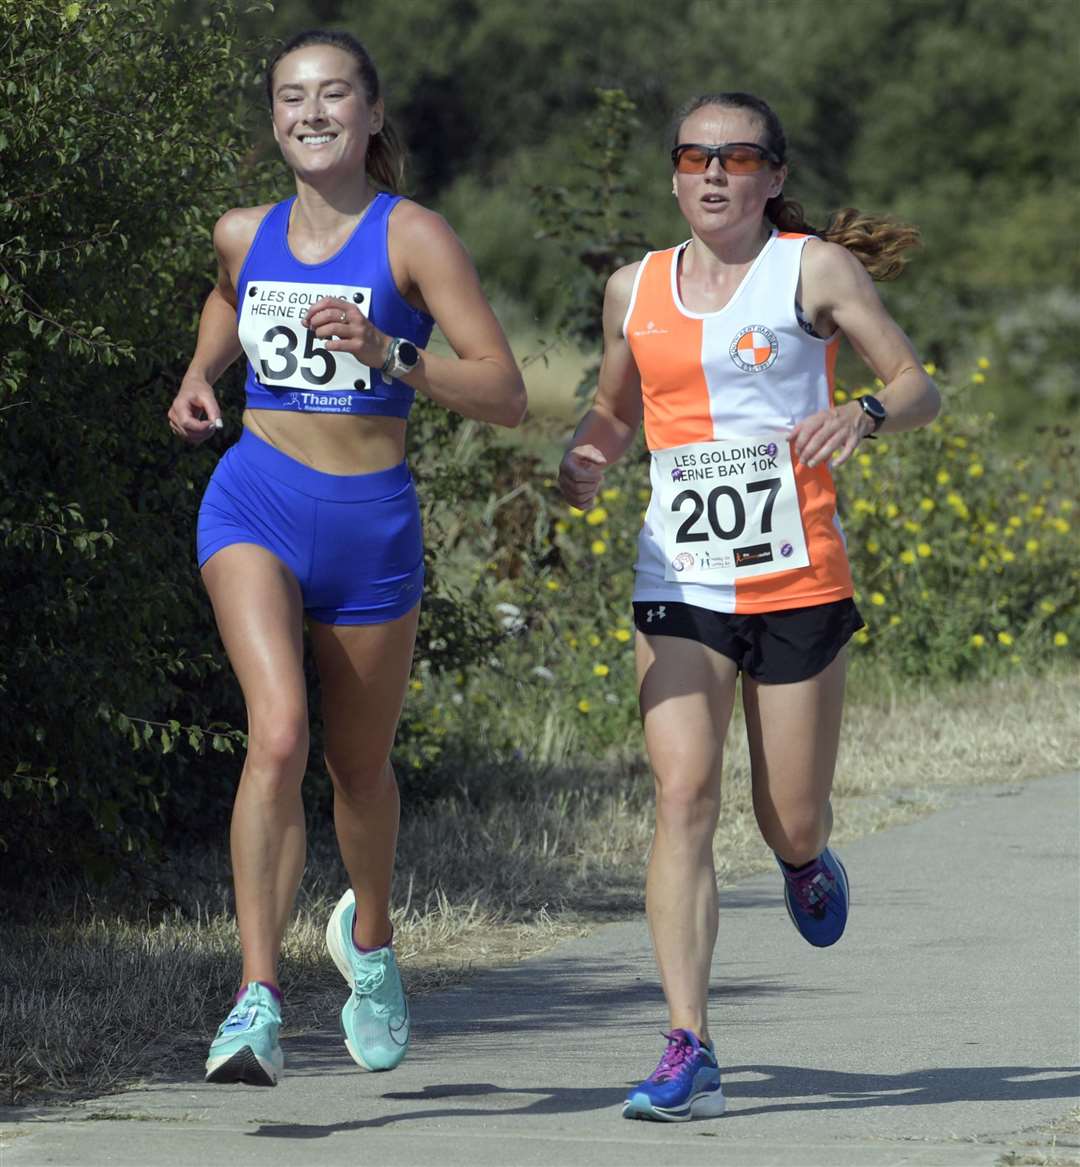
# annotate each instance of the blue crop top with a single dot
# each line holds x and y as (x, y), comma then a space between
(288, 366)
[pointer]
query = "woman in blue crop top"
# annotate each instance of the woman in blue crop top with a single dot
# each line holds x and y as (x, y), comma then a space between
(332, 296)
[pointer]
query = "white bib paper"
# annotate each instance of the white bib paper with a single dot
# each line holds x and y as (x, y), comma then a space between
(727, 510)
(283, 352)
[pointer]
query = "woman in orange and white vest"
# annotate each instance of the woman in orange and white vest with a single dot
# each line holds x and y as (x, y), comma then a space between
(725, 346)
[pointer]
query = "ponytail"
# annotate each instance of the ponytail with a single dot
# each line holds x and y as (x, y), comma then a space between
(385, 162)
(877, 242)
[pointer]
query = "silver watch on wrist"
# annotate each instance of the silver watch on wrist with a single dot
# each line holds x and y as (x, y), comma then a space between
(401, 358)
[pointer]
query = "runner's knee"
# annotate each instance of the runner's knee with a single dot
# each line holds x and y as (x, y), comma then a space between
(797, 835)
(358, 777)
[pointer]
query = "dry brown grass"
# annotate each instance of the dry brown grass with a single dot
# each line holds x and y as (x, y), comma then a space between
(91, 997)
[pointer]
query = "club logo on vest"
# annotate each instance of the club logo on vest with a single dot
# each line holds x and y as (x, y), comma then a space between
(650, 329)
(754, 348)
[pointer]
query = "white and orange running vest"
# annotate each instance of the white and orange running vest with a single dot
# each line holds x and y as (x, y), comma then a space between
(744, 375)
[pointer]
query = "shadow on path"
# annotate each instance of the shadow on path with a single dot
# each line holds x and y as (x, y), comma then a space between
(838, 1091)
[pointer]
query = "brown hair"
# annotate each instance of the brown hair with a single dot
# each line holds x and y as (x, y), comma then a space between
(385, 161)
(877, 242)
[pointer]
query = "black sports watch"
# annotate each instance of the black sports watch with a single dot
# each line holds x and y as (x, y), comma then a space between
(401, 358)
(874, 410)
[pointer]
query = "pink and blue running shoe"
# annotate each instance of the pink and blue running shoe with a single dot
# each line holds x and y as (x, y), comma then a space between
(817, 898)
(685, 1085)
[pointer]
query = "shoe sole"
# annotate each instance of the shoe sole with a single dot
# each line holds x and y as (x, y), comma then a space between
(337, 953)
(245, 1066)
(710, 1104)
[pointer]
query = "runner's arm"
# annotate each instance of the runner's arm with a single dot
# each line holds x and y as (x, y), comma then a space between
(606, 432)
(195, 414)
(838, 293)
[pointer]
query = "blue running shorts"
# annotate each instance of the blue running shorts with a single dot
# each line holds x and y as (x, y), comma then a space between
(353, 541)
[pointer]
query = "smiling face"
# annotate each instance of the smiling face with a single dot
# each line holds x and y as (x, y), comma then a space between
(321, 116)
(717, 201)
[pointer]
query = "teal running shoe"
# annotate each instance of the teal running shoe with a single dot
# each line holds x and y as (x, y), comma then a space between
(375, 1019)
(246, 1047)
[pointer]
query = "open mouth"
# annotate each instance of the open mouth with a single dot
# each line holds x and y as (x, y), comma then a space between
(316, 139)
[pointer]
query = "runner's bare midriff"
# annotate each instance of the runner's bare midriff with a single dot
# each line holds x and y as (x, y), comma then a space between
(333, 443)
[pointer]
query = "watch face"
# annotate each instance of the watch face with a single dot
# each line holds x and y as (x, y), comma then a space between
(407, 353)
(873, 407)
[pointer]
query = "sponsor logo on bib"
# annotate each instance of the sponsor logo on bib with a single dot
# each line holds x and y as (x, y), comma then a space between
(754, 348)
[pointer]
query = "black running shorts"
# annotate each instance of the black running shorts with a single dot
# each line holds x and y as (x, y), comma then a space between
(775, 648)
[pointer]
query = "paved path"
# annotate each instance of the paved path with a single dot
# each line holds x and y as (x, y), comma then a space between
(941, 1028)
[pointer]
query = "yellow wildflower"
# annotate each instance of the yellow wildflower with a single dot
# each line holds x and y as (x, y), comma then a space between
(907, 557)
(873, 546)
(930, 368)
(1015, 520)
(990, 528)
(553, 585)
(862, 636)
(1007, 556)
(1060, 525)
(1036, 512)
(942, 477)
(1047, 606)
(924, 550)
(561, 527)
(984, 563)
(644, 494)
(622, 635)
(596, 516)
(865, 460)
(594, 640)
(583, 706)
(839, 395)
(891, 510)
(416, 686)
(911, 526)
(894, 620)
(977, 641)
(1031, 546)
(575, 512)
(1005, 638)
(600, 670)
(978, 378)
(975, 470)
(1066, 504)
(611, 494)
(598, 547)
(1060, 639)
(927, 504)
(983, 363)
(877, 599)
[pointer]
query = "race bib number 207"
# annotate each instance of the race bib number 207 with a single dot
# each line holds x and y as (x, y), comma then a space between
(728, 510)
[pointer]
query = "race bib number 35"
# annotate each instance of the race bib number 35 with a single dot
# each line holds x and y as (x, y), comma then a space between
(283, 352)
(727, 510)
